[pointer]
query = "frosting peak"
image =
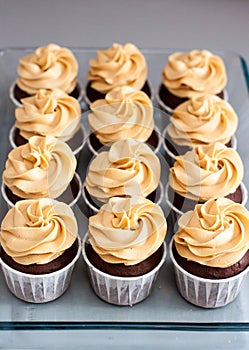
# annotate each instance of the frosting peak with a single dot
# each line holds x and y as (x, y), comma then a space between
(48, 67)
(43, 167)
(38, 231)
(215, 233)
(127, 230)
(193, 73)
(129, 167)
(203, 120)
(117, 66)
(49, 112)
(207, 172)
(124, 113)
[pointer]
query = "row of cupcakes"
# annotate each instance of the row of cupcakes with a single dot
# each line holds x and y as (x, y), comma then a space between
(186, 74)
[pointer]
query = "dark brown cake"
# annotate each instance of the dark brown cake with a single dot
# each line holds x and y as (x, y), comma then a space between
(38, 269)
(67, 196)
(19, 94)
(122, 270)
(211, 272)
(173, 101)
(94, 95)
(187, 204)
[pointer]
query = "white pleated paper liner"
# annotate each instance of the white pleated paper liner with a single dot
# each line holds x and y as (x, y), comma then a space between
(123, 291)
(19, 104)
(72, 204)
(204, 292)
(39, 288)
(80, 135)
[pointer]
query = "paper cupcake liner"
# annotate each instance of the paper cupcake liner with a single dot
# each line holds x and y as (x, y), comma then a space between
(171, 157)
(19, 104)
(121, 291)
(178, 212)
(76, 150)
(169, 110)
(155, 150)
(204, 292)
(92, 209)
(72, 204)
(39, 288)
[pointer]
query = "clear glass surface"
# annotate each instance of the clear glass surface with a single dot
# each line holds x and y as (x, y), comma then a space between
(79, 307)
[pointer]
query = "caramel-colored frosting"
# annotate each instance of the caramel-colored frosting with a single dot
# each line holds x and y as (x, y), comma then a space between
(127, 230)
(49, 112)
(117, 66)
(202, 120)
(129, 167)
(38, 231)
(207, 172)
(215, 233)
(43, 167)
(193, 73)
(124, 113)
(48, 67)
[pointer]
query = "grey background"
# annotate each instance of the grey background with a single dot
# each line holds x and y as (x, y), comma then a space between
(212, 24)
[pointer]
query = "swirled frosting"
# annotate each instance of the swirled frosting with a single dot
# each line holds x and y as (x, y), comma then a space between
(117, 66)
(124, 113)
(49, 112)
(38, 231)
(43, 167)
(207, 172)
(48, 67)
(193, 73)
(215, 233)
(129, 167)
(127, 230)
(202, 120)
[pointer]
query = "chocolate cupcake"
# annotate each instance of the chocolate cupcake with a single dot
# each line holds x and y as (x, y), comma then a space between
(43, 167)
(39, 247)
(124, 113)
(202, 120)
(210, 252)
(119, 65)
(49, 112)
(128, 168)
(125, 249)
(189, 74)
(205, 172)
(48, 67)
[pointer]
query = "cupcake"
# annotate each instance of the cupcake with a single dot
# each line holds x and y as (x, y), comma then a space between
(43, 167)
(189, 74)
(210, 252)
(124, 249)
(48, 67)
(49, 112)
(39, 248)
(128, 168)
(124, 113)
(116, 66)
(200, 121)
(203, 173)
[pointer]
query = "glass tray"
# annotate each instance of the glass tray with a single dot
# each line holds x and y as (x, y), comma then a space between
(79, 308)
